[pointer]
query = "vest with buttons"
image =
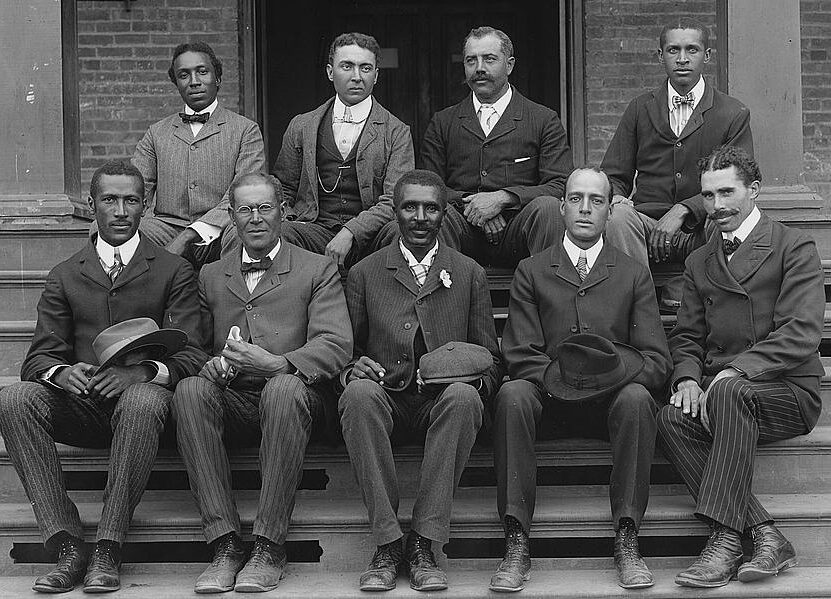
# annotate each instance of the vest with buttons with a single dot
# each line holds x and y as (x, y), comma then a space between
(343, 203)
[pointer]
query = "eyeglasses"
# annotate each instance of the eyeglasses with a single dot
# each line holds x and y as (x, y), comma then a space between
(247, 211)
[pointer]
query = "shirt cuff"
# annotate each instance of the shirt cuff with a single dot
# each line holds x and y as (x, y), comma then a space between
(46, 377)
(207, 232)
(162, 377)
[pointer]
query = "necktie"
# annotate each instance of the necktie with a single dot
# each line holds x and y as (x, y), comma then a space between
(117, 266)
(486, 113)
(582, 266)
(194, 118)
(730, 246)
(420, 273)
(347, 116)
(257, 265)
(688, 99)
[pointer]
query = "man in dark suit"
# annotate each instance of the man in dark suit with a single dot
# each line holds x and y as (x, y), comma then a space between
(659, 140)
(503, 158)
(408, 299)
(556, 294)
(190, 159)
(339, 163)
(279, 331)
(66, 398)
(746, 367)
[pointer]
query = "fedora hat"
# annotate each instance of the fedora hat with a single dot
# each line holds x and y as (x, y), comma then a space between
(134, 334)
(590, 366)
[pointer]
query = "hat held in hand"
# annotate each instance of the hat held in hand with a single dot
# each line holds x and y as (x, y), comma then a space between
(454, 362)
(137, 334)
(590, 366)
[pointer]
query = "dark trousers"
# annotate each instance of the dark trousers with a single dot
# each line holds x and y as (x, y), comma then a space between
(448, 423)
(523, 413)
(718, 468)
(33, 417)
(281, 418)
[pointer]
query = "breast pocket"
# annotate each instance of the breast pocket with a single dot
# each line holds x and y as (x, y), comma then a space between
(523, 170)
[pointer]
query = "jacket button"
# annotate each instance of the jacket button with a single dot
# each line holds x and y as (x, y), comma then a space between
(193, 146)
(709, 301)
(407, 326)
(574, 328)
(401, 384)
(248, 306)
(677, 175)
(405, 356)
(484, 173)
(581, 293)
(419, 302)
(193, 185)
(112, 293)
(678, 145)
(748, 345)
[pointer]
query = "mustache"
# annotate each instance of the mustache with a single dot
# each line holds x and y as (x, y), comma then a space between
(722, 214)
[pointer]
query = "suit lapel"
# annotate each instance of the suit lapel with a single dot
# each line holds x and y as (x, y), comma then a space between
(600, 270)
(697, 117)
(374, 121)
(441, 263)
(234, 280)
(658, 111)
(310, 145)
(508, 121)
(470, 122)
(272, 279)
(403, 274)
(562, 265)
(753, 251)
(91, 266)
(715, 265)
(138, 265)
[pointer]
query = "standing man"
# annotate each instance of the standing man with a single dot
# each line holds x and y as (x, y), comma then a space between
(559, 309)
(654, 151)
(411, 298)
(190, 159)
(746, 367)
(339, 162)
(65, 397)
(268, 382)
(504, 159)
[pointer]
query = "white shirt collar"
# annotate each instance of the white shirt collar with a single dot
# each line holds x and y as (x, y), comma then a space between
(210, 109)
(746, 227)
(411, 260)
(272, 254)
(574, 252)
(499, 106)
(697, 91)
(360, 111)
(106, 252)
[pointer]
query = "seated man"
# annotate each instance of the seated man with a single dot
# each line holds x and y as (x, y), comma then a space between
(406, 300)
(339, 163)
(503, 158)
(267, 382)
(190, 159)
(746, 367)
(555, 294)
(65, 397)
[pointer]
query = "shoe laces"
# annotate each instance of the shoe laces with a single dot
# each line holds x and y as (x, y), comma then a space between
(262, 553)
(225, 550)
(387, 556)
(628, 543)
(68, 551)
(103, 557)
(713, 546)
(423, 552)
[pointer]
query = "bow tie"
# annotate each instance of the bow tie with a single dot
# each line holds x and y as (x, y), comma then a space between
(730, 246)
(257, 265)
(194, 118)
(688, 99)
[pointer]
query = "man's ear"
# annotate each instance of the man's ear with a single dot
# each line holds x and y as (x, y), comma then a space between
(91, 204)
(330, 72)
(707, 55)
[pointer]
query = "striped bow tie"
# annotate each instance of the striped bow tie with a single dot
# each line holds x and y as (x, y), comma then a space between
(730, 246)
(194, 118)
(688, 99)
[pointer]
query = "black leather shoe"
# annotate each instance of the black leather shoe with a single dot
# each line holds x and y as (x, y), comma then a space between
(718, 563)
(382, 571)
(229, 558)
(264, 568)
(515, 569)
(102, 572)
(425, 574)
(772, 553)
(69, 571)
(632, 572)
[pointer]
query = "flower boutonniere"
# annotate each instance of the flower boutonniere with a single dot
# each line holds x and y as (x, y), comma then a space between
(445, 278)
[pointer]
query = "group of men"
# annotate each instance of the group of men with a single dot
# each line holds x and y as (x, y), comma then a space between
(266, 346)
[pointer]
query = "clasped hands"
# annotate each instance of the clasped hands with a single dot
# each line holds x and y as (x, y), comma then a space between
(667, 229)
(109, 383)
(247, 359)
(484, 210)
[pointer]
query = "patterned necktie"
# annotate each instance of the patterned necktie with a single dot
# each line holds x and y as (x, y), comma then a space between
(486, 114)
(582, 266)
(730, 246)
(256, 265)
(194, 118)
(688, 99)
(347, 116)
(117, 266)
(420, 273)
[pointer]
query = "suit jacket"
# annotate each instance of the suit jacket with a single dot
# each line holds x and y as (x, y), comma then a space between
(666, 164)
(387, 308)
(762, 314)
(549, 303)
(189, 177)
(526, 153)
(385, 152)
(297, 310)
(79, 302)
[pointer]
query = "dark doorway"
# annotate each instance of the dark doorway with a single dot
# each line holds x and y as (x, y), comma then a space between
(421, 69)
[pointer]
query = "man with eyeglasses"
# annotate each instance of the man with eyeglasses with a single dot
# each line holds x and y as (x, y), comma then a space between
(279, 330)
(339, 162)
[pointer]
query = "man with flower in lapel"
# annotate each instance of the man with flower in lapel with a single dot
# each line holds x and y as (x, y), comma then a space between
(406, 300)
(190, 159)
(279, 331)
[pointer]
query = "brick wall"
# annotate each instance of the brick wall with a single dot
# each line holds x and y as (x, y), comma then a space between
(124, 57)
(815, 24)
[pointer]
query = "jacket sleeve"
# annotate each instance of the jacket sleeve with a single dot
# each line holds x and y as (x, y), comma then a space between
(481, 331)
(356, 303)
(182, 311)
(619, 161)
(144, 159)
(523, 342)
(54, 339)
(688, 338)
(433, 156)
(289, 164)
(646, 334)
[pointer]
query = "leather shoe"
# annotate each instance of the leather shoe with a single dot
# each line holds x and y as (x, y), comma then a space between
(264, 568)
(515, 569)
(102, 572)
(382, 571)
(772, 553)
(69, 571)
(717, 563)
(425, 574)
(229, 558)
(632, 572)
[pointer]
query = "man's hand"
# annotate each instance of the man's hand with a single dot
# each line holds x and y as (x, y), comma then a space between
(366, 368)
(253, 360)
(486, 205)
(619, 199)
(213, 371)
(181, 242)
(687, 397)
(724, 374)
(495, 228)
(111, 382)
(74, 379)
(660, 241)
(339, 247)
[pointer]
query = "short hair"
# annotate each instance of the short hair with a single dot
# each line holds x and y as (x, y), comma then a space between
(726, 156)
(353, 38)
(685, 23)
(594, 169)
(201, 47)
(253, 179)
(505, 43)
(114, 167)
(421, 177)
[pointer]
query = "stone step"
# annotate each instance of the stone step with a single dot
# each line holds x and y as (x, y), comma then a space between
(40, 243)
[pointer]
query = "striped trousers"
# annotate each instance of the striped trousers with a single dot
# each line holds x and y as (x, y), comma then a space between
(33, 417)
(718, 468)
(281, 418)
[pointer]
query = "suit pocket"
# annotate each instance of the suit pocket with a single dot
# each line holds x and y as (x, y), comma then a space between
(523, 170)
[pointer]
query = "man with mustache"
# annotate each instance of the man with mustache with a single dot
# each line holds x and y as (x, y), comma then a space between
(746, 367)
(658, 213)
(503, 157)
(339, 162)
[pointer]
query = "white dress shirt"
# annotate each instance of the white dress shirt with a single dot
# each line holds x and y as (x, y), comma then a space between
(574, 252)
(252, 278)
(347, 132)
(499, 107)
(744, 229)
(679, 115)
(427, 261)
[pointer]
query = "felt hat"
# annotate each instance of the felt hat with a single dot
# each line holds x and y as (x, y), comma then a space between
(134, 334)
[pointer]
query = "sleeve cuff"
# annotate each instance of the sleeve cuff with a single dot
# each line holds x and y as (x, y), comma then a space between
(208, 233)
(46, 377)
(162, 377)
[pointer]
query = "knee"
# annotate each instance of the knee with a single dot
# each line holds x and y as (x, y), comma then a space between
(462, 398)
(191, 396)
(727, 392)
(144, 401)
(282, 393)
(359, 398)
(633, 399)
(668, 419)
(514, 398)
(16, 399)
(544, 207)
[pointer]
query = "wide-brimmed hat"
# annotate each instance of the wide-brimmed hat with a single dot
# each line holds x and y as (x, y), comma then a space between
(589, 366)
(134, 334)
